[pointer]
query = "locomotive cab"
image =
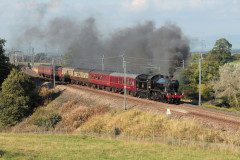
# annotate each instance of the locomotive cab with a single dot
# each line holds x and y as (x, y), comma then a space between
(142, 85)
(158, 82)
(174, 85)
(162, 83)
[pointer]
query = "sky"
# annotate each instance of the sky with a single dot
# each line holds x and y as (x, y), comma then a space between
(200, 20)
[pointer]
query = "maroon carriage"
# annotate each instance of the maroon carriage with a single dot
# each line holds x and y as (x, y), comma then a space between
(117, 81)
(47, 71)
(59, 72)
(99, 79)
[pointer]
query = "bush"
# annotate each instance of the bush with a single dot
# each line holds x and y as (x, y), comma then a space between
(5, 66)
(18, 98)
(2, 153)
(47, 95)
(228, 85)
(207, 92)
(48, 122)
(189, 91)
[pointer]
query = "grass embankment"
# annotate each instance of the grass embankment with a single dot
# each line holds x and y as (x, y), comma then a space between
(31, 146)
(73, 113)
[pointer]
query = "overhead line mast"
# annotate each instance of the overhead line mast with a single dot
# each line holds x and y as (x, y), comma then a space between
(102, 62)
(124, 89)
(53, 67)
(200, 74)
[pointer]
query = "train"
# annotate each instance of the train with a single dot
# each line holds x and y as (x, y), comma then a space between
(155, 87)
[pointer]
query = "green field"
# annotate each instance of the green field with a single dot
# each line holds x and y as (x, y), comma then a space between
(37, 146)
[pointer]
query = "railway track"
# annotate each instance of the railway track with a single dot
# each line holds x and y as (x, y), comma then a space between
(213, 117)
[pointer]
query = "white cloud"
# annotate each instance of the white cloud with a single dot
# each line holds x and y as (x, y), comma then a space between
(138, 4)
(171, 5)
(135, 5)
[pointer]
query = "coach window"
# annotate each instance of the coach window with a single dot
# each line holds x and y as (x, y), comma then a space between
(130, 82)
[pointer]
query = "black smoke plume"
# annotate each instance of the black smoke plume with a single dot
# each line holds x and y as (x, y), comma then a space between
(146, 48)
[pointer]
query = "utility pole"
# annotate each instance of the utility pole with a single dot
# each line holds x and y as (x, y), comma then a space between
(16, 57)
(183, 62)
(53, 67)
(102, 62)
(33, 56)
(22, 58)
(200, 76)
(200, 81)
(125, 88)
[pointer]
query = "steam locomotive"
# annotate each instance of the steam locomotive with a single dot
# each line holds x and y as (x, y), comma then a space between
(155, 87)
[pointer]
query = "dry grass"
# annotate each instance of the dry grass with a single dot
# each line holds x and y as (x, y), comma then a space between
(136, 123)
(75, 117)
(141, 124)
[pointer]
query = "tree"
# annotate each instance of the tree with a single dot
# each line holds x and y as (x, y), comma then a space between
(68, 59)
(221, 51)
(40, 57)
(218, 56)
(4, 62)
(228, 85)
(17, 99)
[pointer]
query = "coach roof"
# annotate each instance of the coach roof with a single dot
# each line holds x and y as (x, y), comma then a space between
(82, 70)
(100, 72)
(116, 74)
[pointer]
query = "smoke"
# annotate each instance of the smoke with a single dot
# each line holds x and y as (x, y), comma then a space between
(149, 48)
(40, 8)
(146, 48)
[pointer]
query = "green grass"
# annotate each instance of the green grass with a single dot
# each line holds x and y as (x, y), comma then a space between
(235, 62)
(35, 146)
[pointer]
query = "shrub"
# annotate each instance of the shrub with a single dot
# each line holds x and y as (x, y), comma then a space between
(49, 121)
(2, 153)
(207, 92)
(18, 98)
(228, 85)
(5, 66)
(47, 95)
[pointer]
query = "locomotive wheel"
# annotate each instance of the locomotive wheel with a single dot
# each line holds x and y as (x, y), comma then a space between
(163, 99)
(131, 93)
(177, 101)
